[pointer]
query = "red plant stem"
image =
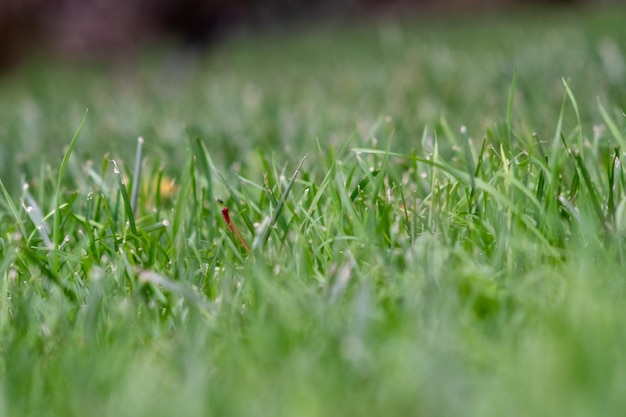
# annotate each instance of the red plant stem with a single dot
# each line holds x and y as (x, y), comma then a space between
(232, 227)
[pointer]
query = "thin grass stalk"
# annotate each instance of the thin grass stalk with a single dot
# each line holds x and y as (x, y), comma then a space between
(56, 228)
(134, 195)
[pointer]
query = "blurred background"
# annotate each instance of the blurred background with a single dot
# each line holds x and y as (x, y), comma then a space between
(280, 75)
(81, 29)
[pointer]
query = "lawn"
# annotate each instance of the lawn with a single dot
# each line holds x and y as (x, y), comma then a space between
(430, 219)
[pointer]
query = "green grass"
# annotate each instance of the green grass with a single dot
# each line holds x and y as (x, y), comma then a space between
(453, 244)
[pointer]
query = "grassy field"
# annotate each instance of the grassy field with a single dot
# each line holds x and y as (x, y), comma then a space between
(453, 243)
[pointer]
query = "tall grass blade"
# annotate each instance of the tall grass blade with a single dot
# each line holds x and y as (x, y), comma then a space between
(137, 175)
(509, 109)
(570, 94)
(615, 132)
(125, 199)
(206, 165)
(56, 228)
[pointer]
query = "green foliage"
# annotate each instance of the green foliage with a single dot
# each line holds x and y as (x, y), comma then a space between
(434, 254)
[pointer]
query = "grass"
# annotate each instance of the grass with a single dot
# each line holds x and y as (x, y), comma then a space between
(453, 244)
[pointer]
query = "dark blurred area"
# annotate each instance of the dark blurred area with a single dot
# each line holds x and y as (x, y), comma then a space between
(110, 28)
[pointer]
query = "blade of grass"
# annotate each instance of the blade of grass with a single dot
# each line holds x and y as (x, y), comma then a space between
(125, 199)
(509, 110)
(137, 175)
(206, 166)
(36, 216)
(363, 183)
(56, 228)
(613, 170)
(233, 228)
(14, 211)
(572, 99)
(615, 132)
(593, 196)
(261, 238)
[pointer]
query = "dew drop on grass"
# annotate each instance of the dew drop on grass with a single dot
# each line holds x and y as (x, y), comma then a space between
(12, 275)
